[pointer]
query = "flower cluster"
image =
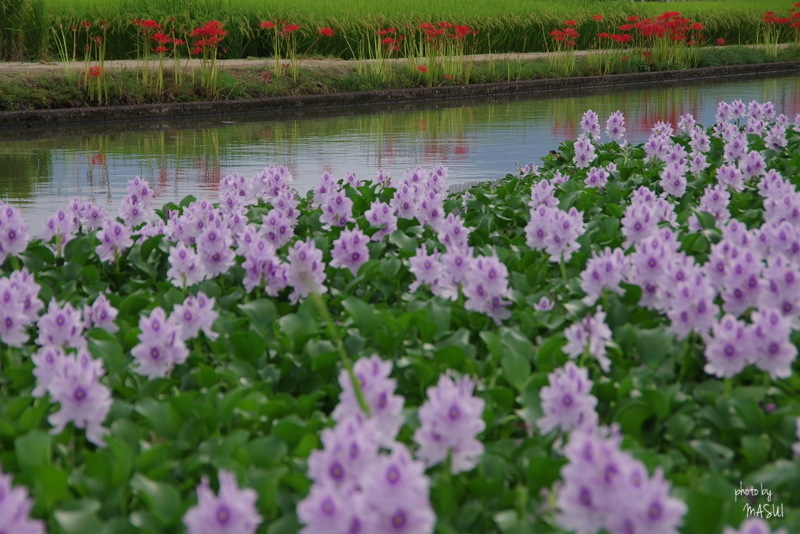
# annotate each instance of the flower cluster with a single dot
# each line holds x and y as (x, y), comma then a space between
(606, 488)
(231, 510)
(15, 507)
(450, 420)
(19, 294)
(589, 336)
(555, 231)
(356, 487)
(567, 402)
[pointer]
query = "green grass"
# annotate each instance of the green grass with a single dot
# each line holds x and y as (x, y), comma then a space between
(126, 87)
(503, 26)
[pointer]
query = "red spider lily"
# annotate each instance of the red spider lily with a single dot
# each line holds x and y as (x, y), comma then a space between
(267, 24)
(86, 23)
(162, 39)
(667, 15)
(633, 18)
(388, 31)
(388, 41)
(621, 37)
(210, 30)
(289, 29)
(161, 49)
(326, 32)
(445, 25)
(178, 42)
(462, 31)
(148, 24)
(626, 27)
(95, 71)
(697, 26)
(425, 26)
(570, 22)
(597, 17)
(448, 77)
(422, 68)
(720, 42)
(602, 35)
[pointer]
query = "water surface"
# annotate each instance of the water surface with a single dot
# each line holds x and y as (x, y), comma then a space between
(476, 139)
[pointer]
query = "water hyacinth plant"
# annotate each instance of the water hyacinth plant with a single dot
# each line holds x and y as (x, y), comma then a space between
(620, 320)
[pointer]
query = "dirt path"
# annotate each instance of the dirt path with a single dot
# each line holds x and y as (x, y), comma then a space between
(265, 63)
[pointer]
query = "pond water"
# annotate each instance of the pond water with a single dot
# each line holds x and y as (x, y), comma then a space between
(40, 171)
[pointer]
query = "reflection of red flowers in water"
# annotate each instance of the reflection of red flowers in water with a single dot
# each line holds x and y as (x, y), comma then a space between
(99, 159)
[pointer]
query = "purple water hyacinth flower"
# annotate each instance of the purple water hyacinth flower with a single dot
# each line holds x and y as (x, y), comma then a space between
(61, 325)
(278, 227)
(454, 233)
(774, 186)
(686, 123)
(752, 165)
(563, 230)
(585, 152)
(381, 215)
(486, 288)
(536, 231)
(326, 510)
(231, 511)
(326, 187)
(605, 270)
(404, 201)
(349, 450)
(272, 180)
(457, 264)
(48, 361)
(13, 321)
(383, 179)
(615, 127)
(262, 266)
(60, 226)
(770, 335)
(754, 525)
(736, 110)
(725, 131)
(735, 148)
(590, 125)
(638, 224)
(337, 210)
(306, 270)
(699, 141)
(397, 495)
(590, 335)
(350, 250)
(544, 304)
(600, 481)
(15, 508)
(351, 180)
(796, 446)
(385, 408)
(286, 202)
(213, 250)
(85, 402)
(450, 419)
(698, 163)
(596, 177)
(559, 177)
(429, 271)
(543, 193)
(185, 268)
(723, 112)
(662, 128)
(93, 217)
(568, 401)
(195, 315)
(115, 238)
(673, 179)
(14, 237)
(730, 349)
(430, 209)
(775, 138)
(101, 314)
(160, 347)
(657, 146)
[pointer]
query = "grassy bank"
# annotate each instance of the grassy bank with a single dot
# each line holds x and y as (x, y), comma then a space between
(62, 89)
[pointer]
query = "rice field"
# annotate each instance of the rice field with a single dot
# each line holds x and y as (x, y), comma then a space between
(505, 26)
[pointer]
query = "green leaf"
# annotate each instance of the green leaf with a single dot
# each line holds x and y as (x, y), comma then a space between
(78, 517)
(364, 316)
(261, 313)
(654, 345)
(33, 450)
(49, 486)
(631, 415)
(718, 456)
(162, 499)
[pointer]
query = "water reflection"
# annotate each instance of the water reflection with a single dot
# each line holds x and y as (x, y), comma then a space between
(476, 140)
